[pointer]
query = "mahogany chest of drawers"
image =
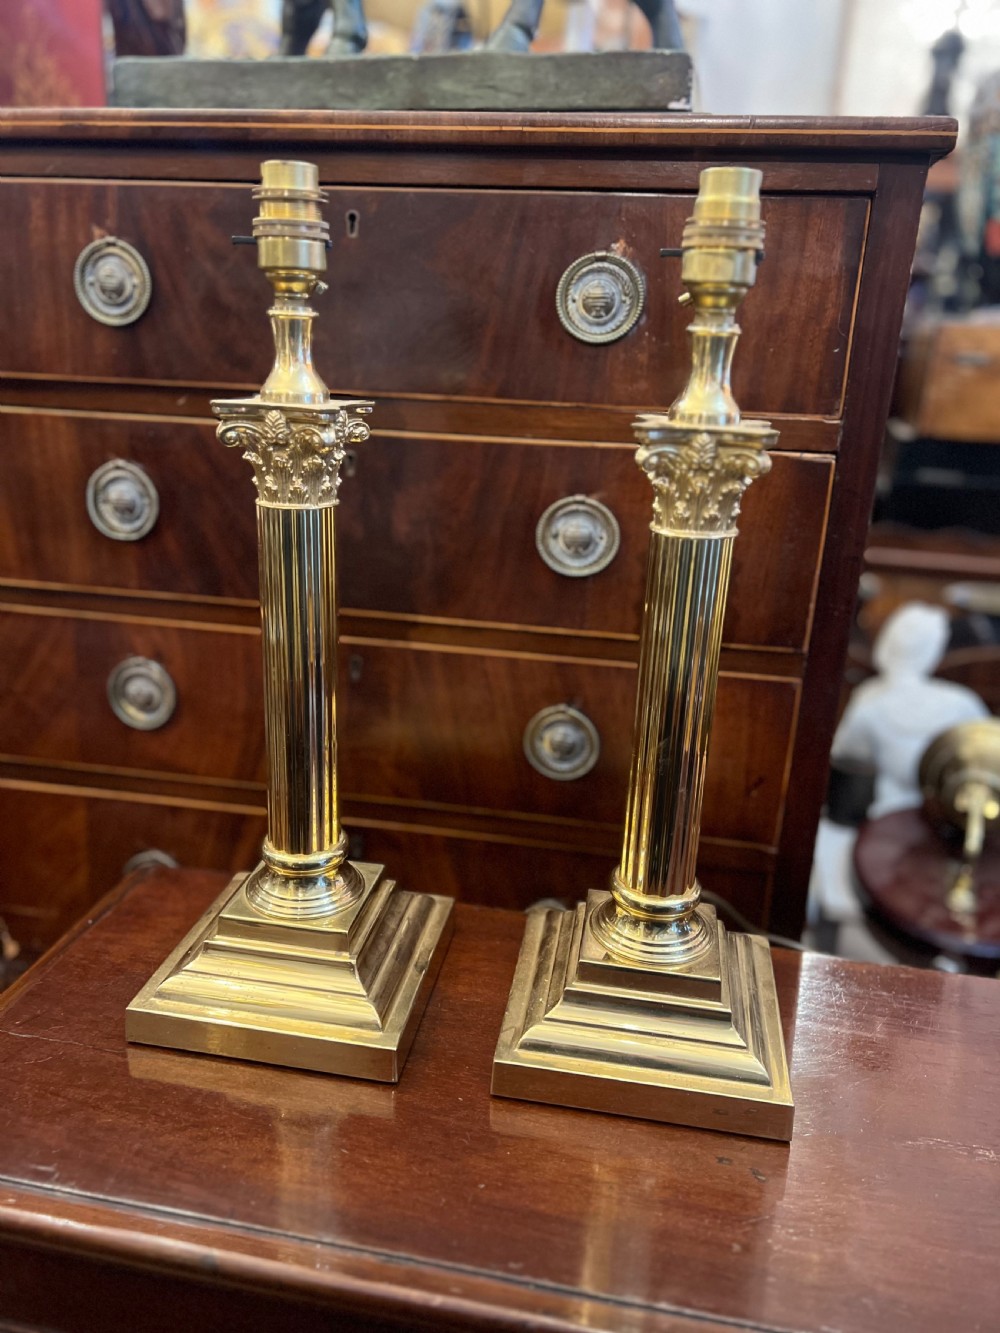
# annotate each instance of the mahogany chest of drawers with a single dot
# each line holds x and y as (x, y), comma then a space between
(492, 532)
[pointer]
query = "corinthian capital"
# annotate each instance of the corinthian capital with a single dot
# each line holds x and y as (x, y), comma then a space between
(296, 453)
(699, 477)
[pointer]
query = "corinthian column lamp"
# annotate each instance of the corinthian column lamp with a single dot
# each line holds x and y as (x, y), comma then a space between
(639, 1002)
(309, 960)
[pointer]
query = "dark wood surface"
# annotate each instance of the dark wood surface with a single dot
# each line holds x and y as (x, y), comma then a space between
(905, 868)
(454, 632)
(93, 830)
(472, 304)
(413, 725)
(148, 1187)
(790, 137)
(433, 559)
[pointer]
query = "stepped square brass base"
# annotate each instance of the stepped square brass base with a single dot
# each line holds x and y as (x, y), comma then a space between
(341, 994)
(698, 1044)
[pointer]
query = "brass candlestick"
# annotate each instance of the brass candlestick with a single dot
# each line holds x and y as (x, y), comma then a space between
(639, 1002)
(309, 960)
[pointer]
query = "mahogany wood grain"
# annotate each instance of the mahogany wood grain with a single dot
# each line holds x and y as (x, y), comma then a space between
(357, 625)
(418, 721)
(427, 724)
(475, 558)
(204, 542)
(183, 1185)
(79, 846)
(803, 140)
(69, 834)
(498, 872)
(488, 370)
(473, 307)
(401, 550)
(635, 170)
(430, 414)
(54, 702)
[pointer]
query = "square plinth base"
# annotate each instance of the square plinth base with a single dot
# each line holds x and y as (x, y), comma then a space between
(698, 1046)
(340, 995)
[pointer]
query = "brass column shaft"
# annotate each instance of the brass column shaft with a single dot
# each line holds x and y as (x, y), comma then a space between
(299, 624)
(686, 584)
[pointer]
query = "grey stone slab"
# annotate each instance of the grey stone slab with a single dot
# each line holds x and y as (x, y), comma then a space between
(461, 81)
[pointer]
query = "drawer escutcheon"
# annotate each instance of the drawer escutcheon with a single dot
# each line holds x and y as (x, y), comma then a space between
(112, 281)
(578, 536)
(142, 693)
(600, 297)
(562, 743)
(122, 500)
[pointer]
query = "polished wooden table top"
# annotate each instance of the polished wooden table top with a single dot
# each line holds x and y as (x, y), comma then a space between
(147, 1189)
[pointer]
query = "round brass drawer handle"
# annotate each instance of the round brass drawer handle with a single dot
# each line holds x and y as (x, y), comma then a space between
(122, 501)
(600, 297)
(562, 743)
(112, 281)
(141, 693)
(149, 860)
(578, 536)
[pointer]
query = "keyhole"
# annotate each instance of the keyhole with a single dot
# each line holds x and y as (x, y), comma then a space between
(350, 464)
(355, 668)
(353, 220)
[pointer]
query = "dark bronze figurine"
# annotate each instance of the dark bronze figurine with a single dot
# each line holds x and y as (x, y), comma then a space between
(516, 31)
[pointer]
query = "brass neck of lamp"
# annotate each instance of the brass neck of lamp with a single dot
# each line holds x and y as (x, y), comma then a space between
(292, 238)
(295, 437)
(700, 457)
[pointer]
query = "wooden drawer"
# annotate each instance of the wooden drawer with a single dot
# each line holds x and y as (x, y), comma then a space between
(428, 527)
(470, 276)
(447, 728)
(502, 873)
(72, 846)
(448, 529)
(54, 704)
(203, 541)
(418, 724)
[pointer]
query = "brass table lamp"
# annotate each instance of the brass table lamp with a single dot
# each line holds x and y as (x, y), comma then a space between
(639, 1002)
(309, 960)
(960, 780)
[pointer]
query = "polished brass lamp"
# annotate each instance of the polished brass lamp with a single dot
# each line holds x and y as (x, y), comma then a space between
(309, 960)
(960, 781)
(639, 1002)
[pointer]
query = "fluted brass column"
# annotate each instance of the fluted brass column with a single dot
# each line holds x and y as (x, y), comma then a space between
(639, 1002)
(309, 960)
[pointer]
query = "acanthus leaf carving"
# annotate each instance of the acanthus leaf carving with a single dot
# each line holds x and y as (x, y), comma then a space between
(295, 462)
(699, 482)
